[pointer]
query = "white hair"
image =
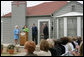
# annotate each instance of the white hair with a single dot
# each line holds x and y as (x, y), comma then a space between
(16, 26)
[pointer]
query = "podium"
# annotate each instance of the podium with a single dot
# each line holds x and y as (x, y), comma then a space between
(23, 38)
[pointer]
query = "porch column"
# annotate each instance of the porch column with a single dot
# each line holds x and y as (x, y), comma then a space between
(78, 26)
(1, 31)
(57, 28)
(65, 26)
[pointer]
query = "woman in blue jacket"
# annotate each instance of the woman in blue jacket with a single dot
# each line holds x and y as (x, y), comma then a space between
(16, 34)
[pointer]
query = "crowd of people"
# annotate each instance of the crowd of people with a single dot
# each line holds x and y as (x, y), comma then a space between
(65, 46)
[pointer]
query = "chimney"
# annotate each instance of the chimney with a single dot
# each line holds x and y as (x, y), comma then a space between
(19, 13)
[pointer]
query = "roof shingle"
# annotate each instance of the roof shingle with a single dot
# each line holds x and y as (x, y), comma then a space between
(46, 8)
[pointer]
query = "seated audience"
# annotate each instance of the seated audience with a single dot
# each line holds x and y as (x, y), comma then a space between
(64, 46)
(44, 48)
(51, 47)
(80, 53)
(79, 40)
(81, 49)
(69, 44)
(75, 44)
(29, 48)
(59, 49)
(74, 40)
(64, 41)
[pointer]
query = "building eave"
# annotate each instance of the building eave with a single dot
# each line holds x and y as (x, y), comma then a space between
(39, 16)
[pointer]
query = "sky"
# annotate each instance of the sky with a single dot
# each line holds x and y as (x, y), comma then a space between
(6, 5)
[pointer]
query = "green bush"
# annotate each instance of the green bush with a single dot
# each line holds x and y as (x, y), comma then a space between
(10, 47)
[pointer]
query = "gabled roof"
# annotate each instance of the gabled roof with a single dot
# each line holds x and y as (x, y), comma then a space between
(46, 8)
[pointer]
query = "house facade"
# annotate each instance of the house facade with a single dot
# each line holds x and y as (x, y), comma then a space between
(63, 19)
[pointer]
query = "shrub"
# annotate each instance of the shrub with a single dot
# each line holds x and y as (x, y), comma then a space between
(10, 47)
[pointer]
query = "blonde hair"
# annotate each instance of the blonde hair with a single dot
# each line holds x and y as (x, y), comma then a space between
(81, 49)
(51, 43)
(16, 26)
(44, 46)
(74, 38)
(70, 38)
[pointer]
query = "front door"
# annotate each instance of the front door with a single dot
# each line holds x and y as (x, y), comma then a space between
(41, 24)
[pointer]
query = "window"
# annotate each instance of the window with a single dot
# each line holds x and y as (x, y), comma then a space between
(61, 27)
(72, 26)
(73, 8)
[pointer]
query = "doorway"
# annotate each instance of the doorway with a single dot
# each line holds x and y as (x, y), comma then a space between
(41, 27)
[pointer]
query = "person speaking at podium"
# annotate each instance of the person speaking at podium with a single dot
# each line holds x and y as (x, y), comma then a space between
(25, 29)
(24, 35)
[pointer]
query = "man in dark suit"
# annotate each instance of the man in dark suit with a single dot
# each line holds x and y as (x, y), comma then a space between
(45, 32)
(34, 33)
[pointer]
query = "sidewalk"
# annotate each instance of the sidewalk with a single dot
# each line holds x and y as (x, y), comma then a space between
(23, 53)
(21, 49)
(20, 54)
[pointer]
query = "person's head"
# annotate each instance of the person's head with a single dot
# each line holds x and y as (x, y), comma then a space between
(33, 24)
(79, 38)
(58, 42)
(16, 26)
(70, 39)
(74, 38)
(45, 24)
(25, 26)
(51, 43)
(64, 40)
(44, 46)
(29, 46)
(55, 43)
(81, 49)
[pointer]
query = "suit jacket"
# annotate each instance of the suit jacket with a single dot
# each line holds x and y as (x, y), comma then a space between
(34, 30)
(45, 31)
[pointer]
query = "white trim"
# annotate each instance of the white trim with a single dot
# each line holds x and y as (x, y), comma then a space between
(71, 14)
(1, 21)
(53, 29)
(57, 28)
(78, 26)
(39, 26)
(2, 31)
(65, 26)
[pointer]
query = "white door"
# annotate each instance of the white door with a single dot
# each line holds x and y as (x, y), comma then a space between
(41, 27)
